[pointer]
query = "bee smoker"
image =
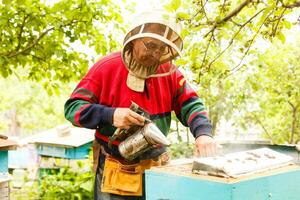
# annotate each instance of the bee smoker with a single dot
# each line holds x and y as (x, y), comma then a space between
(137, 140)
(142, 140)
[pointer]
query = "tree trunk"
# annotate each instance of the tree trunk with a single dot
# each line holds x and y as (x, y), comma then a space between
(294, 122)
(214, 122)
(177, 131)
(14, 126)
(187, 135)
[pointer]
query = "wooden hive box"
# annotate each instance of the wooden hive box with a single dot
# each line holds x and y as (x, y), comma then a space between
(4, 189)
(75, 143)
(176, 182)
(5, 145)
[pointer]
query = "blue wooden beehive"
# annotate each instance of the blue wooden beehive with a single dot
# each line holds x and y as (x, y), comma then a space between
(23, 157)
(177, 183)
(66, 142)
(5, 145)
(260, 174)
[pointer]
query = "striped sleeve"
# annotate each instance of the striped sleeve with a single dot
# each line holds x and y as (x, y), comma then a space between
(82, 108)
(189, 108)
(84, 114)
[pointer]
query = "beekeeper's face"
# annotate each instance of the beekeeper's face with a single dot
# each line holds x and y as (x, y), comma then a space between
(147, 51)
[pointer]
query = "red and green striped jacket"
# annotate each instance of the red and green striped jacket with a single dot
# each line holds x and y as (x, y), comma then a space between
(104, 88)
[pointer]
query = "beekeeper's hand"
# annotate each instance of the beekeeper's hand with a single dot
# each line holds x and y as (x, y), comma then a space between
(123, 118)
(205, 146)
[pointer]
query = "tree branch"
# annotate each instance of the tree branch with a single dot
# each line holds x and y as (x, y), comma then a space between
(21, 31)
(229, 16)
(31, 45)
(235, 11)
(279, 19)
(294, 5)
(235, 35)
(235, 23)
(294, 107)
(223, 7)
(205, 54)
(294, 121)
(203, 8)
(263, 127)
(236, 68)
(15, 52)
(39, 58)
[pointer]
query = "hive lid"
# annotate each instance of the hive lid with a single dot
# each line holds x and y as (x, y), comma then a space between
(241, 163)
(64, 137)
(6, 144)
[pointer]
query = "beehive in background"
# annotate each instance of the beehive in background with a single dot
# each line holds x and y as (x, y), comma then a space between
(5, 146)
(64, 142)
(4, 188)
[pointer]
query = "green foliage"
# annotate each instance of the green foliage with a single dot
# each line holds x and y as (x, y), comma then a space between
(41, 37)
(219, 28)
(173, 6)
(222, 39)
(181, 150)
(63, 184)
(219, 35)
(26, 192)
(273, 89)
(35, 108)
(44, 46)
(67, 184)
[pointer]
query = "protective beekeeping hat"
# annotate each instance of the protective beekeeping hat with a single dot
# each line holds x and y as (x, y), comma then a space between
(159, 25)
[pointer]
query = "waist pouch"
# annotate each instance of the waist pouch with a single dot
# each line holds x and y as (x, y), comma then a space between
(123, 179)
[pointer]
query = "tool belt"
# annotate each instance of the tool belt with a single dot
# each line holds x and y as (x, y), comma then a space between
(96, 153)
(124, 179)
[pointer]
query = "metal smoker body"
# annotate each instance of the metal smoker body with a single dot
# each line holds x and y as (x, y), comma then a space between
(137, 139)
(141, 141)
